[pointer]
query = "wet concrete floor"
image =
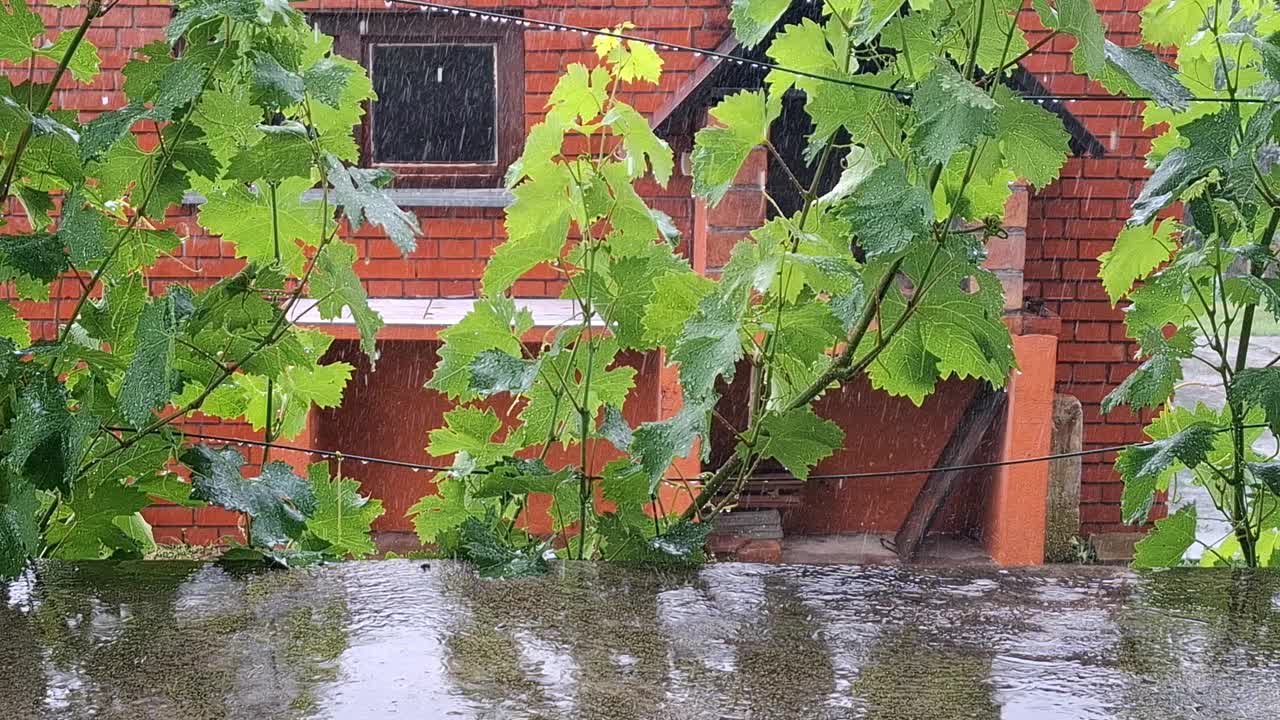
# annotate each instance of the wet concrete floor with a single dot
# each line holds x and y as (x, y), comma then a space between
(400, 639)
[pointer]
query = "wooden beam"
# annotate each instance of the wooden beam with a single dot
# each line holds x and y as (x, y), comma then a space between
(986, 406)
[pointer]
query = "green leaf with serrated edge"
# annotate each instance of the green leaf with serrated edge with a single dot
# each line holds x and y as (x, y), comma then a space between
(1259, 387)
(655, 445)
(13, 327)
(492, 324)
(39, 255)
(273, 84)
(89, 529)
(1211, 139)
(886, 212)
(580, 92)
(342, 517)
(294, 391)
(360, 194)
(145, 457)
(1079, 19)
(19, 524)
(468, 430)
(720, 151)
(1141, 466)
(341, 292)
(615, 428)
(1268, 474)
(537, 228)
(610, 385)
(279, 501)
(956, 330)
(83, 230)
(1137, 72)
(997, 18)
(229, 121)
(150, 380)
(45, 438)
(521, 477)
(643, 147)
(479, 545)
(494, 371)
(327, 80)
(169, 488)
(282, 151)
(84, 62)
(333, 126)
(950, 113)
(243, 218)
(798, 439)
(1138, 250)
(440, 512)
(676, 298)
(709, 345)
(1151, 384)
(1032, 139)
(753, 19)
(1168, 541)
(19, 28)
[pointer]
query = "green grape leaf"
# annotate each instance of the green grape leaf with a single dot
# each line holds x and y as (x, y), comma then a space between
(335, 281)
(468, 430)
(91, 527)
(327, 81)
(886, 212)
(150, 380)
(1142, 466)
(19, 27)
(283, 151)
(360, 194)
(479, 545)
(279, 501)
(84, 62)
(655, 445)
(709, 345)
(1032, 139)
(1259, 387)
(440, 512)
(19, 524)
(537, 227)
(1138, 250)
(273, 84)
(719, 152)
(83, 230)
(1079, 19)
(494, 371)
(643, 147)
(1168, 541)
(753, 19)
(243, 218)
(799, 439)
(13, 327)
(521, 477)
(1151, 384)
(581, 93)
(615, 428)
(492, 324)
(45, 439)
(1138, 72)
(675, 300)
(39, 255)
(950, 113)
(230, 122)
(170, 488)
(342, 517)
(1211, 139)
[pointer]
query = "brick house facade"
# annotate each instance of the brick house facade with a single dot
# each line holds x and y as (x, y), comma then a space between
(1051, 255)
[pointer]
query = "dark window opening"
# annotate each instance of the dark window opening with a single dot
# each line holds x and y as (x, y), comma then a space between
(450, 107)
(436, 104)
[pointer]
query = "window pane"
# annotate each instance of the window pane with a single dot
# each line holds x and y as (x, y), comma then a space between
(436, 104)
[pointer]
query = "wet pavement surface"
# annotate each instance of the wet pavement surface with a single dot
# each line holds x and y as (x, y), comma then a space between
(400, 639)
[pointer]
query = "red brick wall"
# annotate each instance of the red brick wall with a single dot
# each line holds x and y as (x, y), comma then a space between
(1070, 224)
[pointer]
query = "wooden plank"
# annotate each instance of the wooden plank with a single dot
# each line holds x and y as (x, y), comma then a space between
(986, 406)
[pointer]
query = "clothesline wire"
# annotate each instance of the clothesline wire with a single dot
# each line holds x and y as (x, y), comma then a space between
(500, 17)
(374, 460)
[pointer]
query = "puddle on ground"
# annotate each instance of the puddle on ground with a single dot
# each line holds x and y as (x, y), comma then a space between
(400, 639)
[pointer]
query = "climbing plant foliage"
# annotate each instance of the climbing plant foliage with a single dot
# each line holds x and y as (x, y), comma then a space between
(1196, 266)
(879, 275)
(248, 107)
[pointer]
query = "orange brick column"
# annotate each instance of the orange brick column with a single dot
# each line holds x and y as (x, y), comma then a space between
(1014, 524)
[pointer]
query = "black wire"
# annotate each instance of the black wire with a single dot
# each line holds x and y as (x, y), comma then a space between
(900, 94)
(821, 478)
